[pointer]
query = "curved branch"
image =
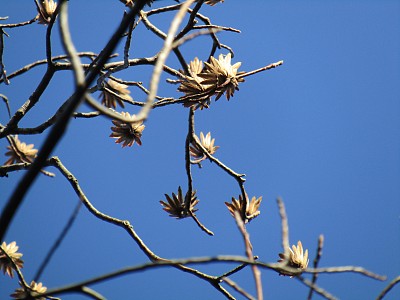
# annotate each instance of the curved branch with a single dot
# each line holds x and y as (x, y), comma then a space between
(58, 241)
(388, 288)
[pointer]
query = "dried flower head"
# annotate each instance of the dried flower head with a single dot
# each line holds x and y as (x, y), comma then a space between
(222, 74)
(197, 94)
(176, 206)
(46, 9)
(298, 259)
(247, 211)
(208, 143)
(19, 152)
(114, 92)
(35, 289)
(216, 78)
(10, 257)
(127, 133)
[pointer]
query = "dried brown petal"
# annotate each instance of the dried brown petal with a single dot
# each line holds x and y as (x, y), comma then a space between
(46, 9)
(298, 259)
(127, 133)
(35, 289)
(223, 74)
(251, 210)
(197, 94)
(114, 93)
(6, 262)
(176, 206)
(208, 143)
(218, 77)
(19, 152)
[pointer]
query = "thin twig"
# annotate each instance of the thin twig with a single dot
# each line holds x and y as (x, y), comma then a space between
(188, 168)
(189, 37)
(5, 99)
(19, 24)
(316, 288)
(4, 170)
(388, 288)
(187, 157)
(31, 102)
(217, 27)
(55, 161)
(201, 225)
(3, 73)
(126, 55)
(315, 264)
(48, 35)
(86, 115)
(237, 176)
(216, 43)
(236, 269)
(44, 61)
(91, 293)
(270, 66)
(191, 21)
(347, 269)
(285, 228)
(158, 32)
(237, 288)
(249, 254)
(58, 241)
(229, 49)
(163, 9)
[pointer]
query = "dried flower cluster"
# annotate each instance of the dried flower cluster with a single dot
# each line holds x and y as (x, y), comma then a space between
(35, 289)
(114, 93)
(197, 93)
(217, 77)
(127, 133)
(247, 210)
(46, 9)
(176, 206)
(207, 142)
(298, 259)
(225, 75)
(10, 257)
(19, 152)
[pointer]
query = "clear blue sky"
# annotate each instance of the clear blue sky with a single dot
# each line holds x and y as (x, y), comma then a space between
(322, 131)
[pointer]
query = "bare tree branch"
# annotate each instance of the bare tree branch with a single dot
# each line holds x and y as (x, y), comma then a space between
(249, 253)
(315, 264)
(387, 289)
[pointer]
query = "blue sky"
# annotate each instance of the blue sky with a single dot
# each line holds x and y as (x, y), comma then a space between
(321, 131)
